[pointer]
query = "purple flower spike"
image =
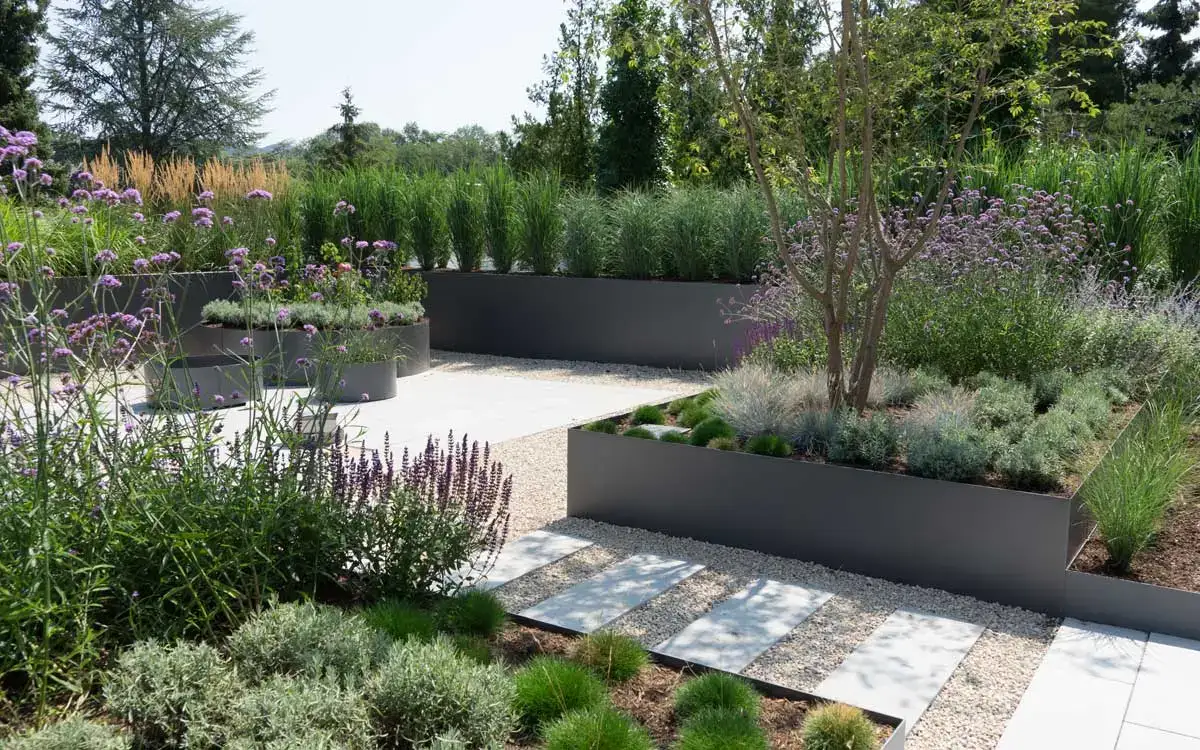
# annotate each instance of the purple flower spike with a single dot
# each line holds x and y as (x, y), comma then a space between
(247, 342)
(108, 281)
(259, 194)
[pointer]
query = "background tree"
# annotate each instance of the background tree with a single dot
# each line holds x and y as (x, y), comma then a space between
(630, 146)
(1106, 77)
(21, 22)
(160, 76)
(1170, 55)
(351, 136)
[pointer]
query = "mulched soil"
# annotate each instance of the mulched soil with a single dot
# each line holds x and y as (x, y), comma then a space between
(649, 697)
(1173, 560)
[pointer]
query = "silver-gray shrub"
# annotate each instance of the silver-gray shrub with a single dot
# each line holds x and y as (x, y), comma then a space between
(900, 387)
(871, 440)
(307, 639)
(423, 691)
(172, 695)
(949, 448)
(1005, 405)
(288, 711)
(72, 733)
(262, 314)
(755, 399)
(956, 401)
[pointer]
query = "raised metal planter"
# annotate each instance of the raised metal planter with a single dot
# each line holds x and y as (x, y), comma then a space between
(191, 291)
(356, 383)
(204, 382)
(660, 323)
(1132, 604)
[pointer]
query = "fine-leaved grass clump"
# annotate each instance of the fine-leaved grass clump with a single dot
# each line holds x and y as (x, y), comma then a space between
(719, 729)
(427, 221)
(474, 648)
(673, 436)
(769, 445)
(291, 712)
(585, 236)
(648, 414)
(540, 219)
(689, 233)
(678, 405)
(741, 248)
(870, 440)
(607, 426)
(756, 399)
(548, 688)
(719, 691)
(500, 195)
(709, 429)
(615, 657)
(836, 726)
(307, 639)
(639, 432)
(635, 218)
(465, 220)
(423, 691)
(814, 432)
(693, 415)
(72, 733)
(903, 387)
(172, 696)
(474, 613)
(596, 728)
(400, 620)
(723, 444)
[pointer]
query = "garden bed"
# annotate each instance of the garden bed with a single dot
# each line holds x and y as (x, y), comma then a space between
(192, 291)
(657, 323)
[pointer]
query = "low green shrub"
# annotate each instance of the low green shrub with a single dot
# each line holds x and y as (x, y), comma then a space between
(692, 415)
(474, 613)
(836, 726)
(606, 426)
(289, 712)
(1048, 387)
(1067, 431)
(648, 414)
(789, 353)
(172, 696)
(423, 690)
(674, 436)
(716, 690)
(639, 432)
(548, 688)
(950, 450)
(724, 444)
(400, 620)
(720, 729)
(268, 315)
(1089, 400)
(306, 639)
(710, 428)
(1003, 405)
(474, 648)
(1132, 488)
(1033, 463)
(615, 657)
(904, 387)
(73, 733)
(678, 405)
(596, 728)
(769, 445)
(451, 740)
(870, 440)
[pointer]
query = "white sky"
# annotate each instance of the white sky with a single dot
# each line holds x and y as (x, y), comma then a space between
(441, 63)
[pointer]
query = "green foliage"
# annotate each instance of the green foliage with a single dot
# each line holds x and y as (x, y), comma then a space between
(789, 353)
(815, 431)
(500, 197)
(688, 233)
(400, 620)
(596, 728)
(870, 440)
(474, 613)
(716, 691)
(548, 688)
(769, 445)
(172, 696)
(586, 238)
(741, 241)
(717, 729)
(648, 414)
(948, 449)
(602, 425)
(405, 288)
(262, 314)
(693, 415)
(904, 387)
(290, 712)
(639, 432)
(475, 649)
(1048, 387)
(673, 436)
(1089, 401)
(1004, 405)
(836, 726)
(615, 657)
(1033, 463)
(308, 639)
(465, 220)
(1145, 344)
(1183, 219)
(709, 429)
(678, 405)
(636, 222)
(1134, 485)
(1121, 194)
(723, 444)
(540, 218)
(73, 733)
(24, 23)
(427, 221)
(425, 690)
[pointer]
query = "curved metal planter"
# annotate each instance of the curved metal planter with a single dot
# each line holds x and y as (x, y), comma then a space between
(357, 383)
(209, 381)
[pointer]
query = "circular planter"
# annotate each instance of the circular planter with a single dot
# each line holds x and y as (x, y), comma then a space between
(209, 381)
(357, 383)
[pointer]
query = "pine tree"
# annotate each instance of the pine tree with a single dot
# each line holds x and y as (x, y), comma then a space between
(21, 22)
(631, 140)
(1106, 79)
(1170, 56)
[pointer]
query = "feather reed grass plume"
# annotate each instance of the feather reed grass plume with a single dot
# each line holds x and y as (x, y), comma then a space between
(175, 182)
(139, 171)
(104, 168)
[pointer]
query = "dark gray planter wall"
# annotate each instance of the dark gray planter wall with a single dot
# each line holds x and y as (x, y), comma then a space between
(1132, 604)
(197, 382)
(994, 544)
(658, 323)
(192, 292)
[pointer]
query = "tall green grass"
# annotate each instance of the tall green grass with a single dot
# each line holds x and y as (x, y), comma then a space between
(500, 198)
(464, 218)
(427, 221)
(1122, 192)
(1182, 218)
(586, 238)
(741, 235)
(541, 221)
(636, 222)
(689, 233)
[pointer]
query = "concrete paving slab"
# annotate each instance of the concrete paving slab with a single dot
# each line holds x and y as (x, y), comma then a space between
(1167, 685)
(528, 553)
(1135, 737)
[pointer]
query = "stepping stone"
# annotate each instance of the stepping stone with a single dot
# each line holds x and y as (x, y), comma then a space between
(527, 554)
(1165, 691)
(1134, 737)
(1080, 692)
(658, 430)
(611, 593)
(740, 628)
(902, 666)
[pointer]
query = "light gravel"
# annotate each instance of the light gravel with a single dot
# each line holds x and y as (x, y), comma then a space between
(600, 373)
(555, 578)
(681, 605)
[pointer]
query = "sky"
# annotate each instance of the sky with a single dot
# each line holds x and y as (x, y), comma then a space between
(440, 63)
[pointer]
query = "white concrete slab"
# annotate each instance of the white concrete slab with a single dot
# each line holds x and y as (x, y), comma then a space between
(1135, 737)
(902, 666)
(1079, 694)
(611, 593)
(740, 628)
(1167, 686)
(525, 555)
(658, 430)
